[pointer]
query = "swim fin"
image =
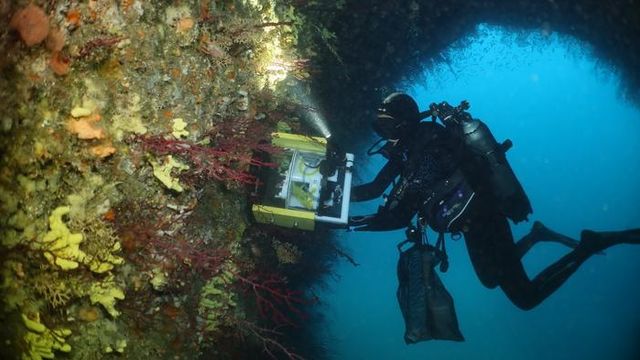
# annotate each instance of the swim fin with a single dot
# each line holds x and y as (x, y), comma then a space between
(426, 305)
(596, 241)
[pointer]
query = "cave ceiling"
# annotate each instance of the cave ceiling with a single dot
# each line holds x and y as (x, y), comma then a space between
(380, 43)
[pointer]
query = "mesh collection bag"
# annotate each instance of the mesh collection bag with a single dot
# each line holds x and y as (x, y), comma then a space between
(426, 305)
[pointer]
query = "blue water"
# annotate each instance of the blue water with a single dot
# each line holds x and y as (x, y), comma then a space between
(576, 146)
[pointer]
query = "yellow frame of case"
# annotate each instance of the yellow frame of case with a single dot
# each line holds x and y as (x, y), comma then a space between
(297, 219)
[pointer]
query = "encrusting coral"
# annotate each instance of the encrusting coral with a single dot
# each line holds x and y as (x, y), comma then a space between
(41, 341)
(62, 247)
(103, 150)
(287, 253)
(59, 64)
(100, 244)
(55, 41)
(120, 345)
(110, 72)
(216, 299)
(106, 293)
(53, 289)
(163, 172)
(84, 127)
(12, 289)
(128, 118)
(80, 111)
(179, 128)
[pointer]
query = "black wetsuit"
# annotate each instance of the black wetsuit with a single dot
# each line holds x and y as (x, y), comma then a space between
(431, 153)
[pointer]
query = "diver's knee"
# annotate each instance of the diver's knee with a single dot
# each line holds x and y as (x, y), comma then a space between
(524, 300)
(489, 282)
(484, 268)
(523, 304)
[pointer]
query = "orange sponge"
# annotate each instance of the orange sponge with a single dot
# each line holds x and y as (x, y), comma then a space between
(32, 24)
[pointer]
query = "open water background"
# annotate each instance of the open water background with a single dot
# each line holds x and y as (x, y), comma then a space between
(576, 152)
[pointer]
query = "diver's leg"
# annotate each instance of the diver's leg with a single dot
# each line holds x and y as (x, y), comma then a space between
(527, 294)
(539, 233)
(497, 259)
(479, 235)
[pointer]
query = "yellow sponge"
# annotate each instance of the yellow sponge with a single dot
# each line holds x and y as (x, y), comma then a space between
(41, 341)
(62, 247)
(106, 293)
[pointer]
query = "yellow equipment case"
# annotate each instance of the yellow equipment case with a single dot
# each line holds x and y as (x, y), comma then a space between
(309, 185)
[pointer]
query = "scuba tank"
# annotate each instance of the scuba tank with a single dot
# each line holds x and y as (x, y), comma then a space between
(489, 164)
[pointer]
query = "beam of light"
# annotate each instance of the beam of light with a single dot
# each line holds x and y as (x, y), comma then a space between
(319, 123)
(276, 66)
(312, 113)
(272, 61)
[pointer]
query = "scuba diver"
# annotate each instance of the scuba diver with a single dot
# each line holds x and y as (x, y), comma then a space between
(455, 177)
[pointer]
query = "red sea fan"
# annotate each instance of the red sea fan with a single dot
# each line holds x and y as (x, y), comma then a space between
(206, 161)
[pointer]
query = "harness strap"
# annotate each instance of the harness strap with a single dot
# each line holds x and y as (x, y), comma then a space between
(442, 253)
(420, 239)
(443, 187)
